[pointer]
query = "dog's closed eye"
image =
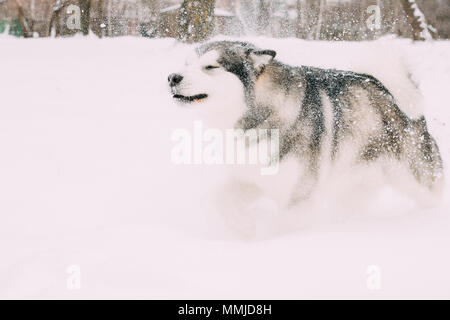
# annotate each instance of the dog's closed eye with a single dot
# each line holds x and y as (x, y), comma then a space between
(210, 67)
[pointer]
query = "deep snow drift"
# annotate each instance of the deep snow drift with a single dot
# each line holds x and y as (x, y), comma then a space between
(86, 179)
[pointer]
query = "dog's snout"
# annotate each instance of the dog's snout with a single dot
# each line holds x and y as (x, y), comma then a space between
(175, 79)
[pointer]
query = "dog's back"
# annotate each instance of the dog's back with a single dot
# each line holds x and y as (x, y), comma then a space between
(336, 109)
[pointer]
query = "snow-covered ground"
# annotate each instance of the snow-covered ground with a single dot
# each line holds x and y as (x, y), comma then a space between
(87, 184)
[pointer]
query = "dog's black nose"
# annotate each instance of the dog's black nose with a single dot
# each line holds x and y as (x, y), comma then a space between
(175, 79)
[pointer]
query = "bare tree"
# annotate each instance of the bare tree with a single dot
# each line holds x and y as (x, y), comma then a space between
(196, 20)
(300, 24)
(438, 15)
(314, 10)
(85, 6)
(263, 16)
(421, 29)
(26, 20)
(320, 17)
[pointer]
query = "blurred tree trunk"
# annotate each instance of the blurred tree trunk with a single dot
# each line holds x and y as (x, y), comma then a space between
(30, 17)
(109, 15)
(421, 30)
(26, 22)
(437, 13)
(300, 27)
(196, 20)
(361, 12)
(263, 17)
(315, 13)
(96, 21)
(85, 6)
(320, 18)
(311, 10)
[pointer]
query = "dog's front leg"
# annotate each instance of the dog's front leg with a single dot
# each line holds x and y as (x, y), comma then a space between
(245, 209)
(253, 118)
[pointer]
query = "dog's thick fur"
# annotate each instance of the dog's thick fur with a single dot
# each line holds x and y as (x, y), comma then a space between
(322, 115)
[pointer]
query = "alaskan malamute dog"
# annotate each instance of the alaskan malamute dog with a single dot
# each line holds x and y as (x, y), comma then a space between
(324, 117)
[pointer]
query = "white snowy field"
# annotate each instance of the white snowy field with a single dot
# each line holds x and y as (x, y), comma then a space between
(86, 180)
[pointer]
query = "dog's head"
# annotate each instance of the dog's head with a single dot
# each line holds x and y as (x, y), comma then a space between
(218, 70)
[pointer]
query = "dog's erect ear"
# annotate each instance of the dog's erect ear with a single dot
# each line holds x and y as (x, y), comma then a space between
(261, 58)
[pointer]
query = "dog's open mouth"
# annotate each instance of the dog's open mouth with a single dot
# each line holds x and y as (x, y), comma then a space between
(195, 98)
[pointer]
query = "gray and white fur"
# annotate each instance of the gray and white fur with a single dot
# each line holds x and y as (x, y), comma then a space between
(323, 115)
